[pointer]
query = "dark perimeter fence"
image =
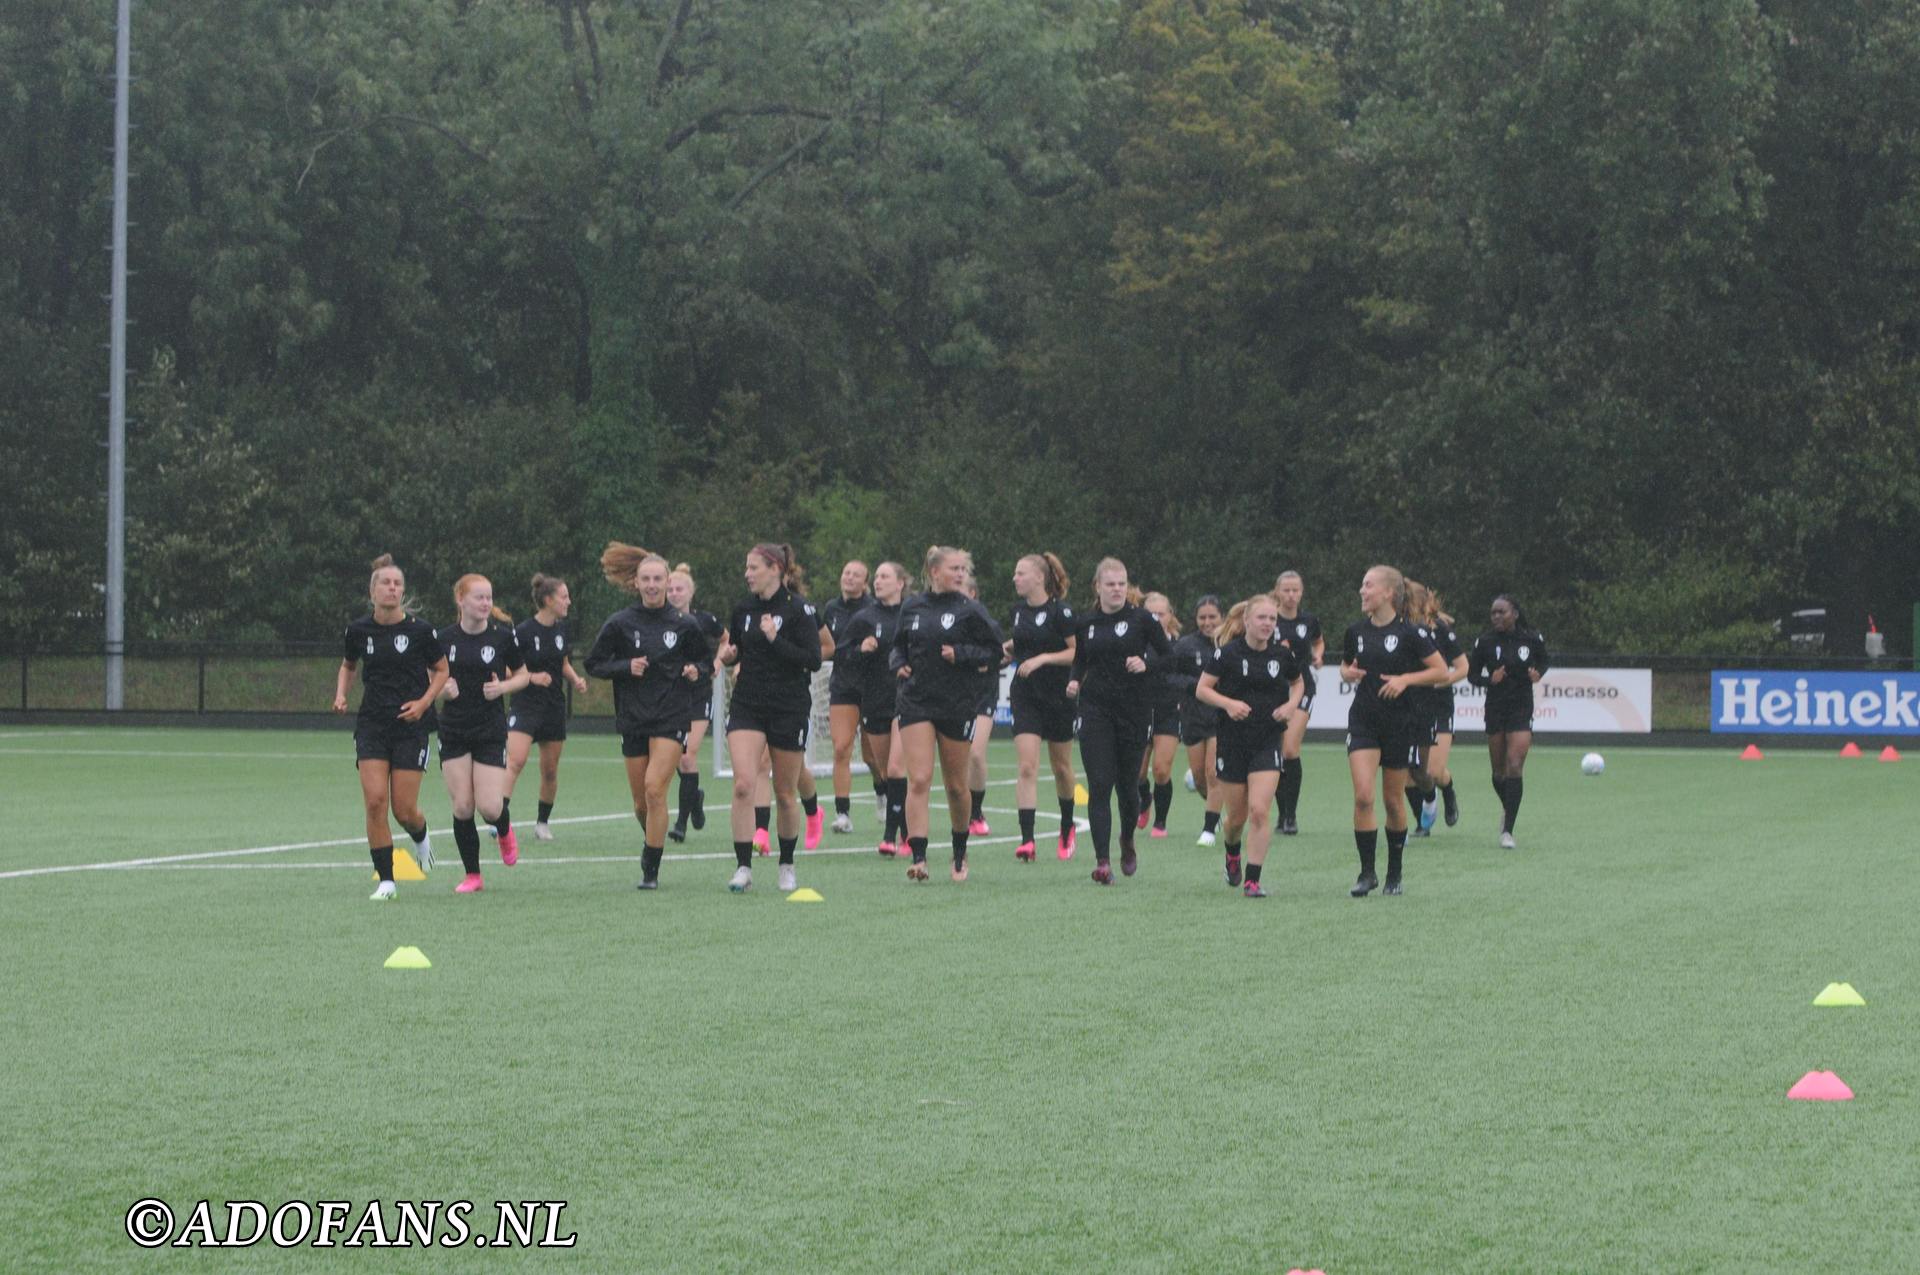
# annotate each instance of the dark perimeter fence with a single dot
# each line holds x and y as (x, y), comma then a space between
(203, 680)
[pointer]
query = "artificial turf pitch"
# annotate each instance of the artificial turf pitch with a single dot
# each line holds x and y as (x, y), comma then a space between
(1573, 1056)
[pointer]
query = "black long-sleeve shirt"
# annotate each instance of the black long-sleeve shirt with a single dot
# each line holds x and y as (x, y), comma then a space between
(1186, 661)
(872, 671)
(937, 689)
(660, 700)
(1104, 642)
(1516, 651)
(775, 674)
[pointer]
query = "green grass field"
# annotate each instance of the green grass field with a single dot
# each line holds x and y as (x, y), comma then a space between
(1573, 1056)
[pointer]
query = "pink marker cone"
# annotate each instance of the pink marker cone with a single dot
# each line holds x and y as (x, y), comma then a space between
(1851, 750)
(1752, 753)
(1821, 1086)
(1889, 753)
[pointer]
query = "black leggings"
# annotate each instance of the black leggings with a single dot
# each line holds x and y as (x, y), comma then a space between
(1110, 752)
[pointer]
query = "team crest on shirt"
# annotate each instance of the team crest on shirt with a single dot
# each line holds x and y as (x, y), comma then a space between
(1524, 652)
(400, 642)
(670, 639)
(1360, 645)
(1273, 668)
(1039, 618)
(559, 642)
(369, 646)
(486, 655)
(1393, 643)
(946, 621)
(1120, 629)
(780, 621)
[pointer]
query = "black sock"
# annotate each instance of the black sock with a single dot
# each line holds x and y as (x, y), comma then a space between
(743, 853)
(689, 793)
(1233, 849)
(1253, 871)
(504, 824)
(880, 789)
(1446, 794)
(1396, 847)
(843, 805)
(1364, 841)
(1162, 802)
(417, 835)
(1500, 789)
(650, 862)
(896, 809)
(1066, 815)
(383, 861)
(1211, 822)
(786, 849)
(959, 847)
(1026, 824)
(546, 811)
(1146, 797)
(979, 796)
(699, 802)
(466, 837)
(811, 805)
(762, 818)
(1516, 787)
(918, 845)
(1296, 772)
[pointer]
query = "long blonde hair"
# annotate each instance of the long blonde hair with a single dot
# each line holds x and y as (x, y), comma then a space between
(409, 605)
(1396, 585)
(938, 554)
(620, 563)
(464, 585)
(1168, 620)
(1236, 621)
(1051, 571)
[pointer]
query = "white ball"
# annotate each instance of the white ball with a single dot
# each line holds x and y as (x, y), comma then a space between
(1592, 764)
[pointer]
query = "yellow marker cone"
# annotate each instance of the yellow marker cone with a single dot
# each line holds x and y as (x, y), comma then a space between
(408, 958)
(404, 867)
(1838, 995)
(1080, 794)
(806, 894)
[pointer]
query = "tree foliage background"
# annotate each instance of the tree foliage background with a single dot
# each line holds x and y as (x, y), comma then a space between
(1608, 303)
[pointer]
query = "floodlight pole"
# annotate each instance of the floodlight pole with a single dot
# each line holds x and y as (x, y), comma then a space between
(117, 378)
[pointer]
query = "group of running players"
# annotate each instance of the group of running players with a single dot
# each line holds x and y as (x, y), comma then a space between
(915, 681)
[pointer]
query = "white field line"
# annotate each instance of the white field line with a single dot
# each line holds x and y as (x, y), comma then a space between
(170, 860)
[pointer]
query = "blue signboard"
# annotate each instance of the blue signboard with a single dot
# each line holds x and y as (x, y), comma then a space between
(1783, 703)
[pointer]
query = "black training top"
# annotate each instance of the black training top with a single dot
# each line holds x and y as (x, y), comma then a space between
(1300, 633)
(473, 660)
(544, 648)
(1438, 700)
(661, 699)
(1103, 644)
(710, 628)
(398, 660)
(1186, 661)
(1383, 651)
(1042, 630)
(872, 670)
(1263, 679)
(936, 689)
(835, 616)
(775, 675)
(1515, 651)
